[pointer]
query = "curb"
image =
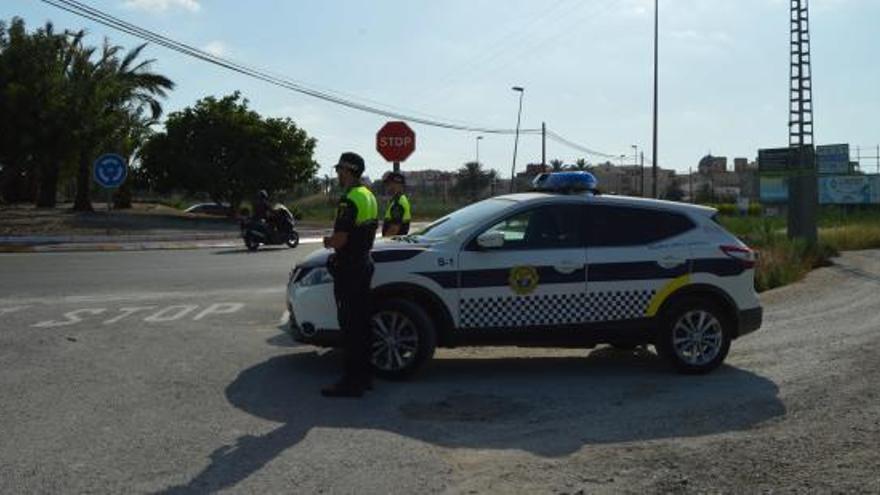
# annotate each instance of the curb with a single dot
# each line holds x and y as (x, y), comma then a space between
(130, 246)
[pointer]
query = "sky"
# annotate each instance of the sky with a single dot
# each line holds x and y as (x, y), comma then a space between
(586, 66)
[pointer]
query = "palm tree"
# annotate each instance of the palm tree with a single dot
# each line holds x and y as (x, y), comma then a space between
(581, 165)
(116, 101)
(557, 165)
(471, 180)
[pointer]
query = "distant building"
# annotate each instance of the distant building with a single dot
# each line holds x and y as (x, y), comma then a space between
(712, 164)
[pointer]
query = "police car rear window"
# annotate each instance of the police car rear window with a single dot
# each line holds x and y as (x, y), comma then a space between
(609, 226)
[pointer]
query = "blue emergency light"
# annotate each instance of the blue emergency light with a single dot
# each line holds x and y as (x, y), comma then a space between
(566, 182)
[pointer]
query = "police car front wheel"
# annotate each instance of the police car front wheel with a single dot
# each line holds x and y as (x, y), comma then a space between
(403, 338)
(695, 337)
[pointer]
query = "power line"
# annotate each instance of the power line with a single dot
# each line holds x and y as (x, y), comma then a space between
(97, 15)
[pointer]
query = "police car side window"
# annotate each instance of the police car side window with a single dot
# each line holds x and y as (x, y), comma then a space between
(545, 227)
(609, 226)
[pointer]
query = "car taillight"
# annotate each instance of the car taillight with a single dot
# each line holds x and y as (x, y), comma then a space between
(744, 255)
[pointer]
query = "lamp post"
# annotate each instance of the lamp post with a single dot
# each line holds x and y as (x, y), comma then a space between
(654, 151)
(520, 90)
(479, 138)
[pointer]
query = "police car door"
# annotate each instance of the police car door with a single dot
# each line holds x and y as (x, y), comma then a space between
(633, 260)
(535, 280)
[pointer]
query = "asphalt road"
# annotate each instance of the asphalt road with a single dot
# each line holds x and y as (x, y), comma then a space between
(167, 371)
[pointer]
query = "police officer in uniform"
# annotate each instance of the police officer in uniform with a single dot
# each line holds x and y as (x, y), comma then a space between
(352, 270)
(398, 214)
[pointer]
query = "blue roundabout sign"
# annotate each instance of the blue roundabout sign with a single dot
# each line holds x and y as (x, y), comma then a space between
(110, 170)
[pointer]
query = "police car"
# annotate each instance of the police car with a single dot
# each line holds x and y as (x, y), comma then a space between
(559, 267)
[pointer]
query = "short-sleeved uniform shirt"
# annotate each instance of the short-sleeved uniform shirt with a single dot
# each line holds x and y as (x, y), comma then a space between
(357, 215)
(398, 213)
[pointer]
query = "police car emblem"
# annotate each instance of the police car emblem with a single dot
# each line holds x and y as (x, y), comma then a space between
(523, 279)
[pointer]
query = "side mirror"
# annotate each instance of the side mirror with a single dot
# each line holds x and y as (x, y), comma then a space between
(491, 240)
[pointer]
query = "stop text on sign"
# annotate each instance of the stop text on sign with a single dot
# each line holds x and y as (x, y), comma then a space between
(395, 141)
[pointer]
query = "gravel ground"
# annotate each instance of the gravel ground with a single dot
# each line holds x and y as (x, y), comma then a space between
(796, 410)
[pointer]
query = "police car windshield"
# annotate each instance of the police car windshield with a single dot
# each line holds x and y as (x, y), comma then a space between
(461, 219)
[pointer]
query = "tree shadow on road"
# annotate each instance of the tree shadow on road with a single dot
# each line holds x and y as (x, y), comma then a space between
(547, 406)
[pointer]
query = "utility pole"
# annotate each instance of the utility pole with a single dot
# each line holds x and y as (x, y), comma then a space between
(520, 90)
(642, 165)
(654, 162)
(802, 182)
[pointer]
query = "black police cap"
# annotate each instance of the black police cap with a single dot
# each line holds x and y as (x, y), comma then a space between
(351, 161)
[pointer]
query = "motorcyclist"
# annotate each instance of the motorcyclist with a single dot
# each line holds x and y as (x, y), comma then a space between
(262, 208)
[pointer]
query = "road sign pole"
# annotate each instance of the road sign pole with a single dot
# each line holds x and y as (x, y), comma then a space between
(397, 166)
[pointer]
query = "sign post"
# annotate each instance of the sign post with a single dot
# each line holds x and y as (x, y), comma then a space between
(395, 141)
(110, 171)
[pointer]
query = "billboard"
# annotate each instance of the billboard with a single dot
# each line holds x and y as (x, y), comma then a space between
(849, 190)
(832, 159)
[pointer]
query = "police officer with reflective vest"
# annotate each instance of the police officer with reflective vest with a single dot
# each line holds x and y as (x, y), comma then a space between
(398, 212)
(352, 270)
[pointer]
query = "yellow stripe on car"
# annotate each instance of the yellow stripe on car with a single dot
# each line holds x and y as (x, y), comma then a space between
(665, 292)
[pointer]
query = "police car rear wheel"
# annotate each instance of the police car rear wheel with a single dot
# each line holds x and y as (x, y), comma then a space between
(403, 339)
(696, 337)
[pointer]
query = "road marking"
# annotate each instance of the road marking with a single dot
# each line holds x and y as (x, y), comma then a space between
(128, 312)
(73, 317)
(13, 309)
(145, 296)
(177, 312)
(219, 309)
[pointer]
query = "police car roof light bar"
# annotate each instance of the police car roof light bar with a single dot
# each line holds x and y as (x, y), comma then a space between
(566, 182)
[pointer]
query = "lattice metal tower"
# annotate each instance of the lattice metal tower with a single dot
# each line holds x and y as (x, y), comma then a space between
(800, 122)
(802, 182)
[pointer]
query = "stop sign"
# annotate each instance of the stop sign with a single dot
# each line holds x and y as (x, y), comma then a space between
(395, 141)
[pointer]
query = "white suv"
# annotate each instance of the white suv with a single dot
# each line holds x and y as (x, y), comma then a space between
(548, 269)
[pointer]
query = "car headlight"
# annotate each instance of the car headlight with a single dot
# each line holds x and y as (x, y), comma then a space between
(315, 276)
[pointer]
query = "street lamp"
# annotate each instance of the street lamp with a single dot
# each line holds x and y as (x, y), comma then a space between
(635, 148)
(516, 140)
(479, 138)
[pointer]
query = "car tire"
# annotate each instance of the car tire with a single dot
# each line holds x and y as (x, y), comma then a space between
(404, 339)
(293, 239)
(695, 336)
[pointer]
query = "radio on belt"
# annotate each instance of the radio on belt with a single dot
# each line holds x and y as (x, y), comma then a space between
(566, 182)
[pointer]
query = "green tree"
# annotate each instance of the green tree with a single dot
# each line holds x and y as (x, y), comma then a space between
(222, 148)
(472, 180)
(557, 165)
(34, 128)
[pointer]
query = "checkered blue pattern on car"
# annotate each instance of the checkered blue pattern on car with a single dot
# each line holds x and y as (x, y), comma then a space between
(553, 309)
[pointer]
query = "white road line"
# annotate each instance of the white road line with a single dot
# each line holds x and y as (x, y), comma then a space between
(145, 296)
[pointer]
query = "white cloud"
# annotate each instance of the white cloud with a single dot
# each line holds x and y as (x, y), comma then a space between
(216, 48)
(162, 5)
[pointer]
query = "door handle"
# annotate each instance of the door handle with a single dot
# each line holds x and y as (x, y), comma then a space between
(568, 267)
(671, 261)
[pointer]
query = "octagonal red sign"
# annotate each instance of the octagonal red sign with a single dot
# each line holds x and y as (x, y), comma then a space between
(395, 141)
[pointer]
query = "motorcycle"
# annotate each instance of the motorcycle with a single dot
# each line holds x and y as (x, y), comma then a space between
(281, 229)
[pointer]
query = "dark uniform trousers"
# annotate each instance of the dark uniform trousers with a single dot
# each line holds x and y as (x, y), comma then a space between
(351, 286)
